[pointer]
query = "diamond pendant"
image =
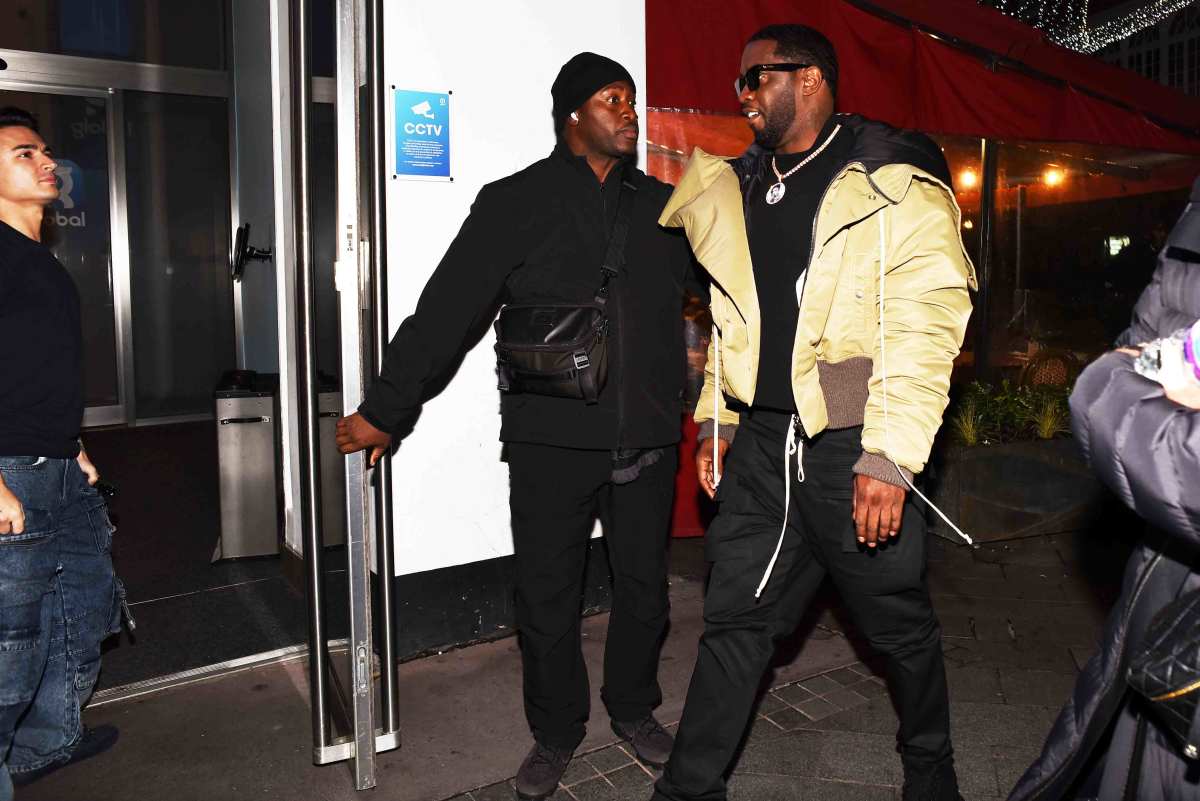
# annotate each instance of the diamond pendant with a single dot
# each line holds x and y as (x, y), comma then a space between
(775, 193)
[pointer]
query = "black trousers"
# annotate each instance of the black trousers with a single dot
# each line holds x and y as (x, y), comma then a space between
(883, 589)
(556, 495)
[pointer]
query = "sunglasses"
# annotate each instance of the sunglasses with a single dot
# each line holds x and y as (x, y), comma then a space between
(752, 78)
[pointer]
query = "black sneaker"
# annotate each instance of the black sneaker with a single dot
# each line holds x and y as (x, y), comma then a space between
(91, 742)
(651, 742)
(541, 770)
(933, 783)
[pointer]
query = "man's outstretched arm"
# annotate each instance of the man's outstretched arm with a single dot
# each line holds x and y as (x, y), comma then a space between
(459, 300)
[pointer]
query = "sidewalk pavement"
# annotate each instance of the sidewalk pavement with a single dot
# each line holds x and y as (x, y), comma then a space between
(1018, 620)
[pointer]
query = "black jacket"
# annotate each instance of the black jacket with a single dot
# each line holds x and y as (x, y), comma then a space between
(1147, 450)
(536, 236)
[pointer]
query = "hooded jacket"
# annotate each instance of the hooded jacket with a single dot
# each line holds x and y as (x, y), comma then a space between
(890, 204)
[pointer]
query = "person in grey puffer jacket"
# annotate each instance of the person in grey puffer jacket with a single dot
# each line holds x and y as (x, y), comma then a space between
(1146, 448)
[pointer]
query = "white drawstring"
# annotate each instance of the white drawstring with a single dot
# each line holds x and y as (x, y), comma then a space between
(883, 371)
(716, 336)
(792, 444)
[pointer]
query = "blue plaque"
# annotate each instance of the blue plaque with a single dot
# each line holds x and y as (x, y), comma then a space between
(422, 134)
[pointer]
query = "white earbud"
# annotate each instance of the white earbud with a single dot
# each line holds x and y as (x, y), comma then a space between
(575, 116)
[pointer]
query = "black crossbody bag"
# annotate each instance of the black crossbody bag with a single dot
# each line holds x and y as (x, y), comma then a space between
(561, 349)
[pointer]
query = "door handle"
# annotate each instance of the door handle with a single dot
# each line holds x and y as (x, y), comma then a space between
(229, 420)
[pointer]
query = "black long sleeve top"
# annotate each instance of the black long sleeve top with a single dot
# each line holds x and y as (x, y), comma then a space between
(41, 358)
(540, 235)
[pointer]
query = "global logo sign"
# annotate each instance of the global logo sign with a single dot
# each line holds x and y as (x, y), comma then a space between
(68, 210)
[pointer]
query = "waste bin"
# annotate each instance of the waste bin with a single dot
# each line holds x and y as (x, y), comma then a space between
(247, 464)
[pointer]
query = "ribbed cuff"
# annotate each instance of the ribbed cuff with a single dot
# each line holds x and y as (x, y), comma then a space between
(880, 467)
(728, 431)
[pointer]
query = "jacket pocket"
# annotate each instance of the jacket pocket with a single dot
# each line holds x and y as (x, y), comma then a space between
(864, 300)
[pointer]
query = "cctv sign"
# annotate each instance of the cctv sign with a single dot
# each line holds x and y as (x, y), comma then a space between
(422, 134)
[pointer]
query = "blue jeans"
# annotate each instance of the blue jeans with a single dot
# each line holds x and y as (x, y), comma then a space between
(59, 599)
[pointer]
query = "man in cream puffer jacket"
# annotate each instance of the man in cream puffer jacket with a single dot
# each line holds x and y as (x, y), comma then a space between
(840, 299)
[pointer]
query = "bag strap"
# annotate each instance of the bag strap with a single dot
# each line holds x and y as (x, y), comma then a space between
(614, 259)
(587, 386)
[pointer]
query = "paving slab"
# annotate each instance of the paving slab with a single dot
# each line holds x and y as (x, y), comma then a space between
(757, 787)
(462, 725)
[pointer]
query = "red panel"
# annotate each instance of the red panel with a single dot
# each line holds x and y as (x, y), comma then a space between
(895, 73)
(693, 510)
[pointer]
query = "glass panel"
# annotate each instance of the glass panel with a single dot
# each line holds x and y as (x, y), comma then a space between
(321, 37)
(77, 224)
(323, 211)
(964, 157)
(170, 32)
(1077, 231)
(177, 177)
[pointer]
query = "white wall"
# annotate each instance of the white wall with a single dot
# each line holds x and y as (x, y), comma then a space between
(499, 59)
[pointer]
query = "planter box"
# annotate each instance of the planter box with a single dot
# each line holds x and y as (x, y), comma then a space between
(1019, 489)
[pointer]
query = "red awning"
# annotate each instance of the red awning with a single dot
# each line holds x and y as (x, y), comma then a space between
(894, 69)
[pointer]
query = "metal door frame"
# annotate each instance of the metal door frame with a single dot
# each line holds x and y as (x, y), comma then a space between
(358, 270)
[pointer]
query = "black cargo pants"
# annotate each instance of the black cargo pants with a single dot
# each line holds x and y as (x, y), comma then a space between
(883, 589)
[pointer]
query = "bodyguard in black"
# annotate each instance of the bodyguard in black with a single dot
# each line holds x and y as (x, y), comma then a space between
(534, 237)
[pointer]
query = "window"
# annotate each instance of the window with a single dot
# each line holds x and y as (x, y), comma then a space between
(169, 32)
(1153, 65)
(1077, 230)
(1175, 65)
(1192, 86)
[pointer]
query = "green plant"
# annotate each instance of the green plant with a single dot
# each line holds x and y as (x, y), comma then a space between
(966, 421)
(982, 414)
(1049, 419)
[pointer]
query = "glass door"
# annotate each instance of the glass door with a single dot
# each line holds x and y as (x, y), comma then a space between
(80, 229)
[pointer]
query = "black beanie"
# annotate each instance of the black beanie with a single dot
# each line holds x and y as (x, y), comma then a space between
(579, 79)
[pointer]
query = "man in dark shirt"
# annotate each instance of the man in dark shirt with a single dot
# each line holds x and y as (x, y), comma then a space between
(59, 597)
(540, 236)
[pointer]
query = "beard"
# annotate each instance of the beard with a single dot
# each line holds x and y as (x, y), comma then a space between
(776, 122)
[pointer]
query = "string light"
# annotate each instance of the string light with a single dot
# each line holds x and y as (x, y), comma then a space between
(1066, 21)
(968, 179)
(1089, 40)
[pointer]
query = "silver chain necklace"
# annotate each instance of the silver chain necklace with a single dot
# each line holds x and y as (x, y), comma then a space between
(776, 191)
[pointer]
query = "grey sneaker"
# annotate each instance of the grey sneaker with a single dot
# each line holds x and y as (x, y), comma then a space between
(651, 742)
(541, 770)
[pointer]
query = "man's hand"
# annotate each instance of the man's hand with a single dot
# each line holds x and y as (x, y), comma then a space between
(704, 463)
(878, 510)
(89, 469)
(12, 513)
(355, 434)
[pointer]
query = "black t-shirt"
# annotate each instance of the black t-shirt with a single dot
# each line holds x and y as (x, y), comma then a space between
(41, 379)
(780, 241)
